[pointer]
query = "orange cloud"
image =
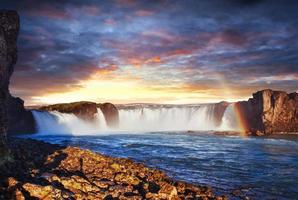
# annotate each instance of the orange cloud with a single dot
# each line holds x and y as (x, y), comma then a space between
(138, 62)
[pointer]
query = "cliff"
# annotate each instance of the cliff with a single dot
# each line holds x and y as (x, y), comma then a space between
(14, 118)
(270, 112)
(9, 29)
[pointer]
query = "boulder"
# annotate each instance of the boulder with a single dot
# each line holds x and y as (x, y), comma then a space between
(83, 109)
(270, 112)
(110, 113)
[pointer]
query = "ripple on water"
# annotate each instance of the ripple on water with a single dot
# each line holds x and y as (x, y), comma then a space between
(258, 167)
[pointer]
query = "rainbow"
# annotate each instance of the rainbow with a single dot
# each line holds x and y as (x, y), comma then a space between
(241, 120)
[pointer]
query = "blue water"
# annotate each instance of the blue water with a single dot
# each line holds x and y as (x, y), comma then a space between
(257, 167)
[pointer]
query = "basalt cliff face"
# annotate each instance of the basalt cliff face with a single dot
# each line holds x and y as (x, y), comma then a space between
(14, 118)
(270, 112)
(9, 29)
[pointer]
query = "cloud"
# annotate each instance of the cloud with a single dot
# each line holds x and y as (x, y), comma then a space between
(194, 46)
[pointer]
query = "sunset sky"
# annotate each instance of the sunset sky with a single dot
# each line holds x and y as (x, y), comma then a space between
(165, 51)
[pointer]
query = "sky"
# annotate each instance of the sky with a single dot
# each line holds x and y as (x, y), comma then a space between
(154, 51)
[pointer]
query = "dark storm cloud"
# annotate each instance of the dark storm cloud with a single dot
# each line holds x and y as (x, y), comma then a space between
(250, 42)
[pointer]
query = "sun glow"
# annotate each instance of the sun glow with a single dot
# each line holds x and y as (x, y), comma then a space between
(126, 91)
(118, 87)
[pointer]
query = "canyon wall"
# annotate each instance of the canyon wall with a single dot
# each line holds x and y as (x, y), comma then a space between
(270, 112)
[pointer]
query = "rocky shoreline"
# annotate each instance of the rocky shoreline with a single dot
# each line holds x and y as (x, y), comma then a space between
(39, 170)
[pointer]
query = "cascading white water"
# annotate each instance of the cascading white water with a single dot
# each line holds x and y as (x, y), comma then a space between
(167, 119)
(62, 123)
(229, 119)
(139, 119)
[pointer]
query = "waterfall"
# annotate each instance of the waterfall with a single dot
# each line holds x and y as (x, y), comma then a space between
(166, 119)
(62, 123)
(229, 119)
(139, 119)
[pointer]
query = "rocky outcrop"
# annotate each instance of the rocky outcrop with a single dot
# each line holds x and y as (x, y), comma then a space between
(46, 171)
(110, 113)
(9, 29)
(270, 112)
(83, 109)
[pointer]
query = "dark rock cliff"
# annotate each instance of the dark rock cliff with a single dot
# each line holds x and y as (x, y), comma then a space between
(14, 118)
(270, 112)
(9, 29)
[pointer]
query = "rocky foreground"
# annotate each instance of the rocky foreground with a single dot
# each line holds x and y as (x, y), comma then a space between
(39, 170)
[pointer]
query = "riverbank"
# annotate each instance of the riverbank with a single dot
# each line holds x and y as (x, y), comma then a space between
(48, 171)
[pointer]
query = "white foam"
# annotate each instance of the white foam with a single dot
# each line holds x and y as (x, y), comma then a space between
(140, 119)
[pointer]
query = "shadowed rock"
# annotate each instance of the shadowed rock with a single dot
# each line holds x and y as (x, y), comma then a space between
(20, 120)
(9, 30)
(14, 118)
